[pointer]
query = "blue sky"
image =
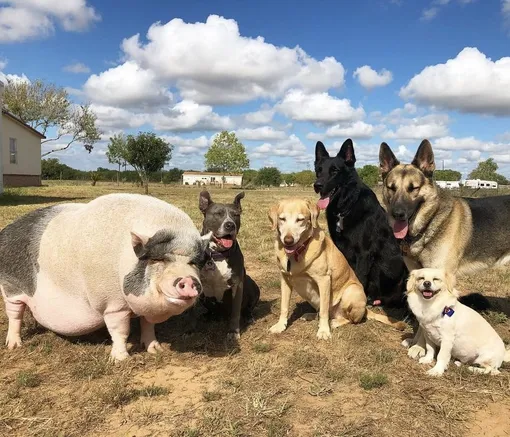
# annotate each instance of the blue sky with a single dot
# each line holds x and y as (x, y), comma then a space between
(281, 74)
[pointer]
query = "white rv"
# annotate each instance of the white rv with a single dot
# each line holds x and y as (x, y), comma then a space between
(449, 185)
(477, 183)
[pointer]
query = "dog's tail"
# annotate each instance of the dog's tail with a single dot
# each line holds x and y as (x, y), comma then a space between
(506, 358)
(383, 318)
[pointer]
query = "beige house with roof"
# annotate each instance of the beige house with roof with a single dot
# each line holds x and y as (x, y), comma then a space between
(20, 152)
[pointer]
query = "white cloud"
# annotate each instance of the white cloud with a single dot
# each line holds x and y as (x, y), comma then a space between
(469, 143)
(505, 11)
(318, 108)
(263, 116)
(428, 126)
(290, 147)
(263, 133)
(429, 13)
(77, 68)
(356, 130)
(21, 20)
(188, 116)
(368, 78)
(110, 117)
(189, 146)
(13, 78)
(225, 67)
(127, 85)
(486, 89)
(3, 63)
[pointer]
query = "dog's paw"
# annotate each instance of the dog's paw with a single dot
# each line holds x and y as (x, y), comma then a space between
(426, 360)
(323, 334)
(233, 336)
(278, 328)
(416, 351)
(154, 347)
(436, 371)
(407, 343)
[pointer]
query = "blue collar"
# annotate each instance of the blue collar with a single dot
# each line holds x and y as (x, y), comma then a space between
(448, 311)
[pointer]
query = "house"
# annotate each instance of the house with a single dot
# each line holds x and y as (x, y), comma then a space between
(450, 185)
(477, 183)
(211, 178)
(20, 152)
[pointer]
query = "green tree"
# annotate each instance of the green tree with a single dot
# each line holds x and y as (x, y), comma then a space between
(226, 154)
(269, 176)
(369, 174)
(289, 178)
(249, 177)
(173, 175)
(146, 153)
(447, 175)
(305, 178)
(44, 106)
(486, 170)
(116, 152)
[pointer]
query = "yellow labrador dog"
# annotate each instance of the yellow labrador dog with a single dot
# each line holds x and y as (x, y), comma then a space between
(311, 265)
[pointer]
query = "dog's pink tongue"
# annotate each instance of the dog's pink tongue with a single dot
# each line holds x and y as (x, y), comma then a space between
(427, 293)
(226, 242)
(400, 228)
(323, 203)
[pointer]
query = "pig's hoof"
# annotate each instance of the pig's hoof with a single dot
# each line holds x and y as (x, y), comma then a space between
(117, 356)
(13, 342)
(231, 336)
(154, 347)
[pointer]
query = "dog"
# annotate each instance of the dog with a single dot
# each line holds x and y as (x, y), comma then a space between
(227, 289)
(311, 265)
(358, 226)
(436, 229)
(456, 329)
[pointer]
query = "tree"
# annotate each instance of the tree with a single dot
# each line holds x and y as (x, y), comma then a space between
(43, 106)
(289, 178)
(226, 154)
(116, 152)
(173, 175)
(269, 176)
(249, 177)
(486, 170)
(447, 175)
(305, 178)
(146, 153)
(369, 174)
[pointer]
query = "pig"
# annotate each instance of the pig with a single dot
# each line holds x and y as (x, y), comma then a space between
(81, 266)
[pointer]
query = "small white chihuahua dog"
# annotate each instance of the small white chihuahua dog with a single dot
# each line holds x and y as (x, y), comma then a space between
(456, 329)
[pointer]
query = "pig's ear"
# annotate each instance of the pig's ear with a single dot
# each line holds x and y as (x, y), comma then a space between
(206, 239)
(237, 200)
(204, 201)
(139, 241)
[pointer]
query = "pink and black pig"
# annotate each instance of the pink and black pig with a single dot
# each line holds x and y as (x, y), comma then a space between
(79, 267)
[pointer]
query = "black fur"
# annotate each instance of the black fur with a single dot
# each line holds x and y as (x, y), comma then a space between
(366, 239)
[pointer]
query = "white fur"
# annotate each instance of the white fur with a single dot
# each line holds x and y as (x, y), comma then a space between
(465, 336)
(214, 281)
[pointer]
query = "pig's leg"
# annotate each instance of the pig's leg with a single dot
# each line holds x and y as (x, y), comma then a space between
(14, 309)
(118, 327)
(148, 337)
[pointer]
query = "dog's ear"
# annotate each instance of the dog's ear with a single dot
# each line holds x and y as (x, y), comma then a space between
(387, 160)
(204, 201)
(237, 200)
(451, 281)
(411, 281)
(347, 153)
(273, 216)
(320, 151)
(424, 159)
(314, 213)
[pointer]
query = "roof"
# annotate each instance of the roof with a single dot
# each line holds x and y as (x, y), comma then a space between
(209, 173)
(22, 123)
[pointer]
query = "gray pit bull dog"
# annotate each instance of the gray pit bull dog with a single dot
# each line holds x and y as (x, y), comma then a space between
(226, 286)
(79, 267)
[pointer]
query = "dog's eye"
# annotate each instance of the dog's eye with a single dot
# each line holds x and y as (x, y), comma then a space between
(282, 219)
(436, 279)
(300, 220)
(392, 187)
(412, 188)
(421, 278)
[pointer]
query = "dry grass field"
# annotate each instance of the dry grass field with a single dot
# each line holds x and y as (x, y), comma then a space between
(361, 383)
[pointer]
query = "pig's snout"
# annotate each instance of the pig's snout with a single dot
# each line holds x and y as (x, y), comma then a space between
(188, 287)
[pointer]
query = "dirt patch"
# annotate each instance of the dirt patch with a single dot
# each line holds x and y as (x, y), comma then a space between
(492, 421)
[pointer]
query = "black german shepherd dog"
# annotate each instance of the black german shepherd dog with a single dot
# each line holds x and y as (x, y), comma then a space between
(359, 227)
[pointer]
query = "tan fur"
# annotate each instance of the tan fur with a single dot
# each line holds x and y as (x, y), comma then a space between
(321, 275)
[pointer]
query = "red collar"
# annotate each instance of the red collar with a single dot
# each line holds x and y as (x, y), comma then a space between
(298, 251)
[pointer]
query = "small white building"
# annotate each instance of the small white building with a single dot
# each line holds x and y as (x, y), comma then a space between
(449, 185)
(477, 183)
(211, 178)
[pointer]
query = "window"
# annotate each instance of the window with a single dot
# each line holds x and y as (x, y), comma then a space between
(13, 150)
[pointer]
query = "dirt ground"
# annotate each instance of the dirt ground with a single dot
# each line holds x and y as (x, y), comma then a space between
(361, 383)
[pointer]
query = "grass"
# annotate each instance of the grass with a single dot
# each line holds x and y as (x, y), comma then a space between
(361, 383)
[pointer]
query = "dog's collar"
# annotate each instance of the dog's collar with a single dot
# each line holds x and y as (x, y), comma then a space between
(407, 241)
(218, 255)
(448, 311)
(297, 252)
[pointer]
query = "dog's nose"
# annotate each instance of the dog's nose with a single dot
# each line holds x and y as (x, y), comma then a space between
(229, 226)
(288, 240)
(318, 187)
(399, 214)
(427, 284)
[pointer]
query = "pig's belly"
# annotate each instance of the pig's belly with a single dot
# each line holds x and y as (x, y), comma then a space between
(64, 313)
